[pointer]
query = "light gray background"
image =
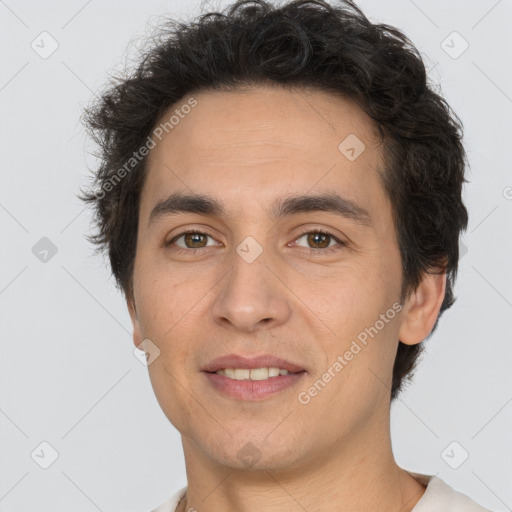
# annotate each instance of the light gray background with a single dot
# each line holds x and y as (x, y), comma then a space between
(68, 375)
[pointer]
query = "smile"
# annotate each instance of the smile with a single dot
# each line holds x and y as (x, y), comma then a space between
(254, 374)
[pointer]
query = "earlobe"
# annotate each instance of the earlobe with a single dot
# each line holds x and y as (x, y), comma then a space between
(137, 335)
(421, 309)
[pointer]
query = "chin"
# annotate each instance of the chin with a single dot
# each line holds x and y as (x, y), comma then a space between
(242, 453)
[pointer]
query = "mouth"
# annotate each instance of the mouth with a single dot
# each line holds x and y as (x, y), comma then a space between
(252, 378)
(264, 366)
(253, 374)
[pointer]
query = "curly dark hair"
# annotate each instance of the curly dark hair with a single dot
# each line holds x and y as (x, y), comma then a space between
(303, 43)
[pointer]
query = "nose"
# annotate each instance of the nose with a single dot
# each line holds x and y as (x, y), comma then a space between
(251, 297)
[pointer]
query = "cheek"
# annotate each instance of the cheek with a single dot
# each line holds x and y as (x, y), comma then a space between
(168, 385)
(171, 311)
(358, 313)
(162, 300)
(167, 317)
(348, 299)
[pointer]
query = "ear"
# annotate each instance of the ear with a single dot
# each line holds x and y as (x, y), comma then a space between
(137, 335)
(421, 309)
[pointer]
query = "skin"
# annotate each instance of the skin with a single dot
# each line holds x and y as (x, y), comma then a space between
(246, 149)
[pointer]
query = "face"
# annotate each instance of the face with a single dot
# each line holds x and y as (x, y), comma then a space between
(269, 272)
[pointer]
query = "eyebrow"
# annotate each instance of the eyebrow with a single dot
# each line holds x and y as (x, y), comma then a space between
(178, 203)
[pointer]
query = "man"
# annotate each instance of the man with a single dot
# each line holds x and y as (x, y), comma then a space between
(280, 196)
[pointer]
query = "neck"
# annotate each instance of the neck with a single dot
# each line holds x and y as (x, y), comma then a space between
(358, 474)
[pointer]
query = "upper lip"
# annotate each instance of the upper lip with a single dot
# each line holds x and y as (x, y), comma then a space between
(263, 361)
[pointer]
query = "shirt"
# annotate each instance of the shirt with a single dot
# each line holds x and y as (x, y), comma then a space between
(438, 497)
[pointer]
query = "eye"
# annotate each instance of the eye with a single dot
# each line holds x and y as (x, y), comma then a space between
(192, 240)
(319, 240)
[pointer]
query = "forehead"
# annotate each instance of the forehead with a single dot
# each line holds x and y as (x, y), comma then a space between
(255, 144)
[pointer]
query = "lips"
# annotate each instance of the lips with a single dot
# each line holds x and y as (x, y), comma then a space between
(263, 361)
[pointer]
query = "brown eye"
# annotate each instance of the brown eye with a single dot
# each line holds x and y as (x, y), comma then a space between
(319, 239)
(191, 240)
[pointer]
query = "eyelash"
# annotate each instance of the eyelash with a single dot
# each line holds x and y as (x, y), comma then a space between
(305, 232)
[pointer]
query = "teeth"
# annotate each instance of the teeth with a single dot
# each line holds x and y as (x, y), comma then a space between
(241, 374)
(274, 372)
(254, 374)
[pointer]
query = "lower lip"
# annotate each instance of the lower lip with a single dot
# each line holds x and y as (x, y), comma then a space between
(252, 389)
